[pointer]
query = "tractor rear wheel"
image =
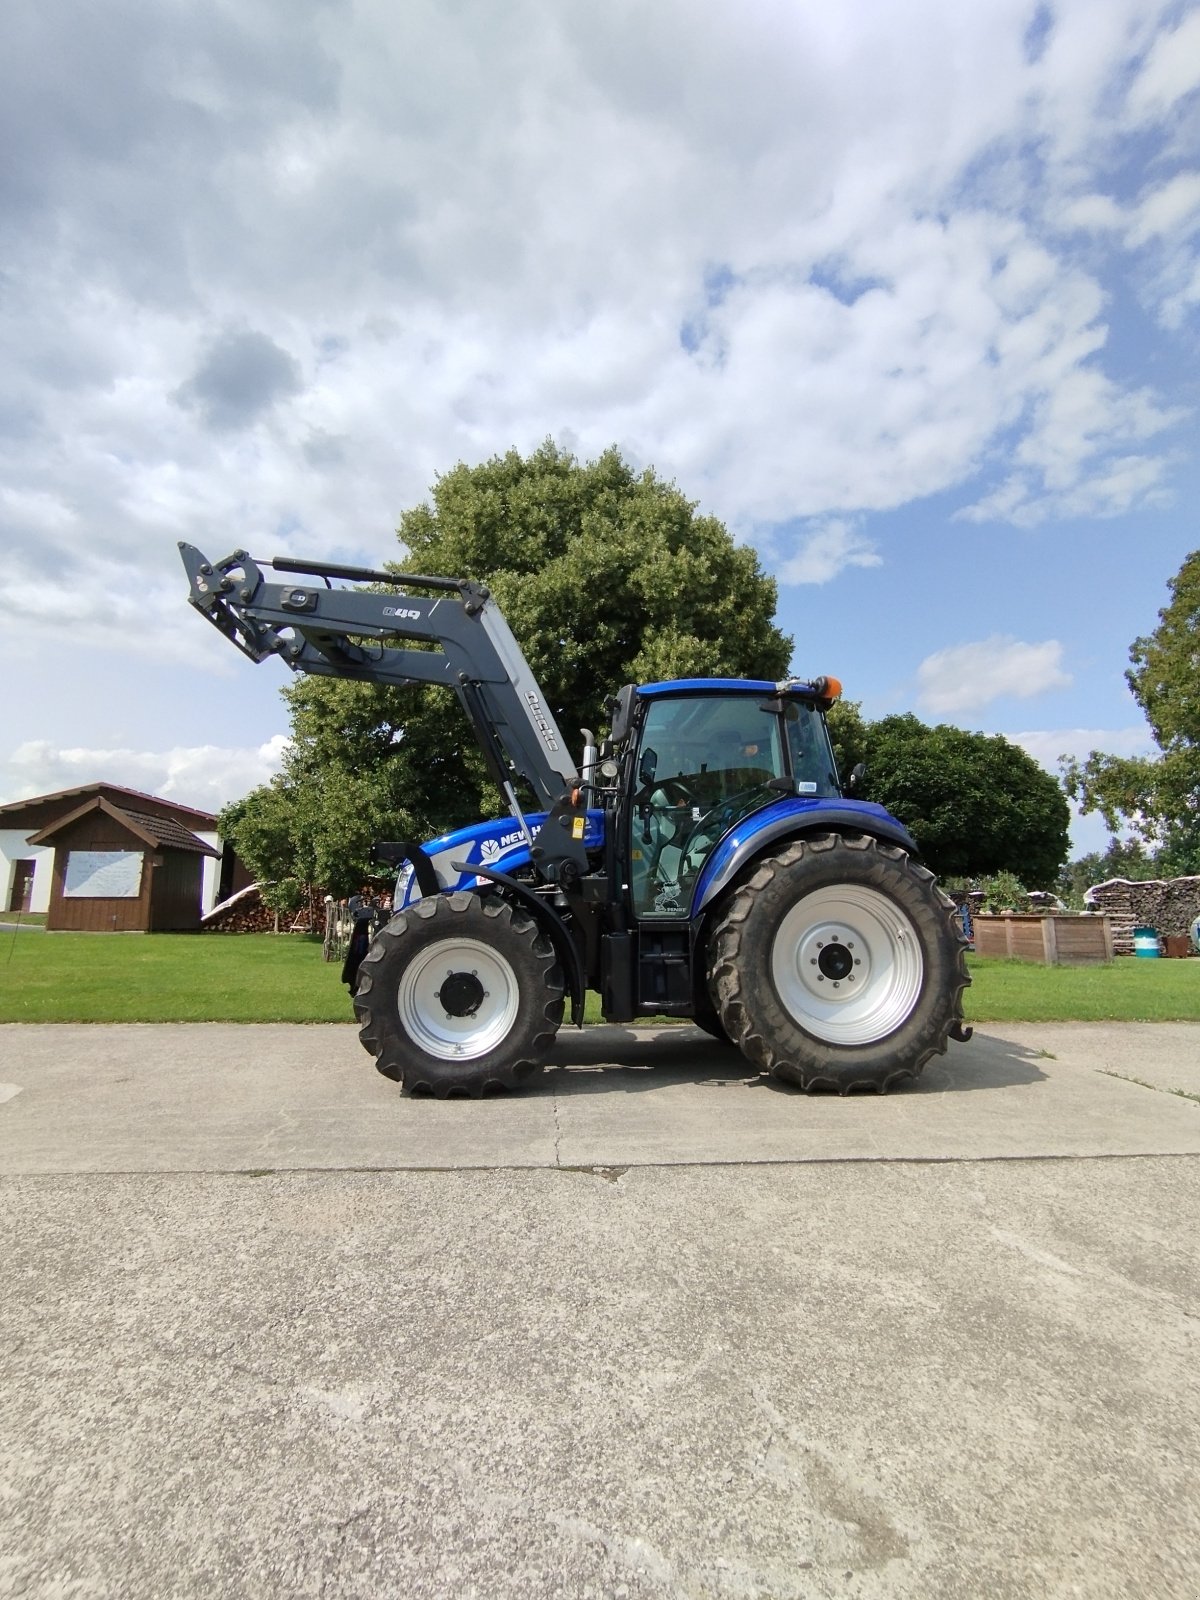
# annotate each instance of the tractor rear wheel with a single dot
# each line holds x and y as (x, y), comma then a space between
(836, 965)
(459, 995)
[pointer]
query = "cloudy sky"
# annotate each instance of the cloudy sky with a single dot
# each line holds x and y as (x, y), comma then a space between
(908, 295)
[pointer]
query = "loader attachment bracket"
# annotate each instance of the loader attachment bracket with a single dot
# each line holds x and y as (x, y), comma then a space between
(210, 585)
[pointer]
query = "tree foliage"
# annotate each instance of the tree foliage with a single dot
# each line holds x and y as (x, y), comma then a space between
(1002, 891)
(1121, 859)
(976, 804)
(1157, 798)
(606, 576)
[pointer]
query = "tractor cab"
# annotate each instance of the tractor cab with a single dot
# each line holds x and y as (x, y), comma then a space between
(706, 753)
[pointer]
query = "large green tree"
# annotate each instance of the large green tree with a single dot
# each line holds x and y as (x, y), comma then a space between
(1157, 799)
(975, 804)
(606, 575)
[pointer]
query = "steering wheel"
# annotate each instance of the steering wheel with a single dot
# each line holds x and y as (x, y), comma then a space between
(678, 794)
(719, 816)
(648, 800)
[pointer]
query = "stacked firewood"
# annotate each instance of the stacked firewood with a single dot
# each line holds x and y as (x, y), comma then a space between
(247, 912)
(1168, 905)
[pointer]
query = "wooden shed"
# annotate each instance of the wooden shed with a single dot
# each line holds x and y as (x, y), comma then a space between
(122, 870)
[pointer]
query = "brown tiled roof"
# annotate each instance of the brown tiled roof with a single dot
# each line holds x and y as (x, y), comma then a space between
(160, 832)
(171, 835)
(42, 807)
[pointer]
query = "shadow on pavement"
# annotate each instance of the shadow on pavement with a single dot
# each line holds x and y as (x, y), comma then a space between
(616, 1060)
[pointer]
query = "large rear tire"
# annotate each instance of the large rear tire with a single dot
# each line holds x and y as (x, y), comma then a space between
(705, 1016)
(459, 995)
(836, 965)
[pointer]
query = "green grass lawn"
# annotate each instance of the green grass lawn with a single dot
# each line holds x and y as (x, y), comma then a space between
(168, 977)
(1131, 990)
(80, 977)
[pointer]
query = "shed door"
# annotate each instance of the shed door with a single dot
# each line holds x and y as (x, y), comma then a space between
(21, 897)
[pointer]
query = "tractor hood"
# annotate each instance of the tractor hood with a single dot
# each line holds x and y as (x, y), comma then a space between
(499, 845)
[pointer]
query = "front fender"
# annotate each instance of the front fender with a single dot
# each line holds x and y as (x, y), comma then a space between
(784, 820)
(548, 919)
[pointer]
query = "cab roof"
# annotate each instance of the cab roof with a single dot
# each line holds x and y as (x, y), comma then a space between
(649, 691)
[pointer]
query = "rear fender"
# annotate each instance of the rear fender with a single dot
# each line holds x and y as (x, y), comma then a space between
(784, 820)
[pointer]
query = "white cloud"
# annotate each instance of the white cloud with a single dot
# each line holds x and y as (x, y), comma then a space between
(1170, 71)
(440, 263)
(811, 262)
(967, 676)
(826, 549)
(1049, 746)
(1109, 492)
(1094, 213)
(1172, 205)
(204, 776)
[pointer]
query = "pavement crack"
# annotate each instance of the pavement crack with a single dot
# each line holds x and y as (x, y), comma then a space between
(1125, 1077)
(337, 1554)
(302, 1170)
(557, 1128)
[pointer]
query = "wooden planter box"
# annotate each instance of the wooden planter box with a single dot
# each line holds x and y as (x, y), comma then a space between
(1053, 940)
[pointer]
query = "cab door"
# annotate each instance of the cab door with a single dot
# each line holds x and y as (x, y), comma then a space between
(703, 762)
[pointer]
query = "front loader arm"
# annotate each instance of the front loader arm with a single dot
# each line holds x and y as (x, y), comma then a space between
(348, 633)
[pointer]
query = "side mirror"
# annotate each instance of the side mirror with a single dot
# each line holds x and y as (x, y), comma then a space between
(621, 708)
(647, 766)
(857, 773)
(390, 852)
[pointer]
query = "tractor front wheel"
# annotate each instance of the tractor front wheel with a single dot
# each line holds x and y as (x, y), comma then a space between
(459, 995)
(835, 965)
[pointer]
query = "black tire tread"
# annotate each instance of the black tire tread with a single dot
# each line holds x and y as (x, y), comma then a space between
(374, 998)
(798, 1058)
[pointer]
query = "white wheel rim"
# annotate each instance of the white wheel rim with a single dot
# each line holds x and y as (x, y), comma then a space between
(458, 999)
(847, 964)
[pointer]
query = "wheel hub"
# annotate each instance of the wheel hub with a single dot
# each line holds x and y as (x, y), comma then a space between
(835, 962)
(462, 994)
(832, 962)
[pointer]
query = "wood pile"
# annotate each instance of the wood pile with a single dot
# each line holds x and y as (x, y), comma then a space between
(1168, 905)
(245, 912)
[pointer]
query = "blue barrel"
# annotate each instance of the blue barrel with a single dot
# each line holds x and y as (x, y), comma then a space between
(1145, 942)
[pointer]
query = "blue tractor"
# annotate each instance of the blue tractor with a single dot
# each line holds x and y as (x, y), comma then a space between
(702, 861)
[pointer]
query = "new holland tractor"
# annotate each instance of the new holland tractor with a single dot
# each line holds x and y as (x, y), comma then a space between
(703, 861)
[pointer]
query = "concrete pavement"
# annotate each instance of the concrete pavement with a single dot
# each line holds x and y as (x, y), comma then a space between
(223, 1097)
(653, 1328)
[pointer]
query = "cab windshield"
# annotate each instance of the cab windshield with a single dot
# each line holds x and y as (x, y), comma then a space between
(706, 761)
